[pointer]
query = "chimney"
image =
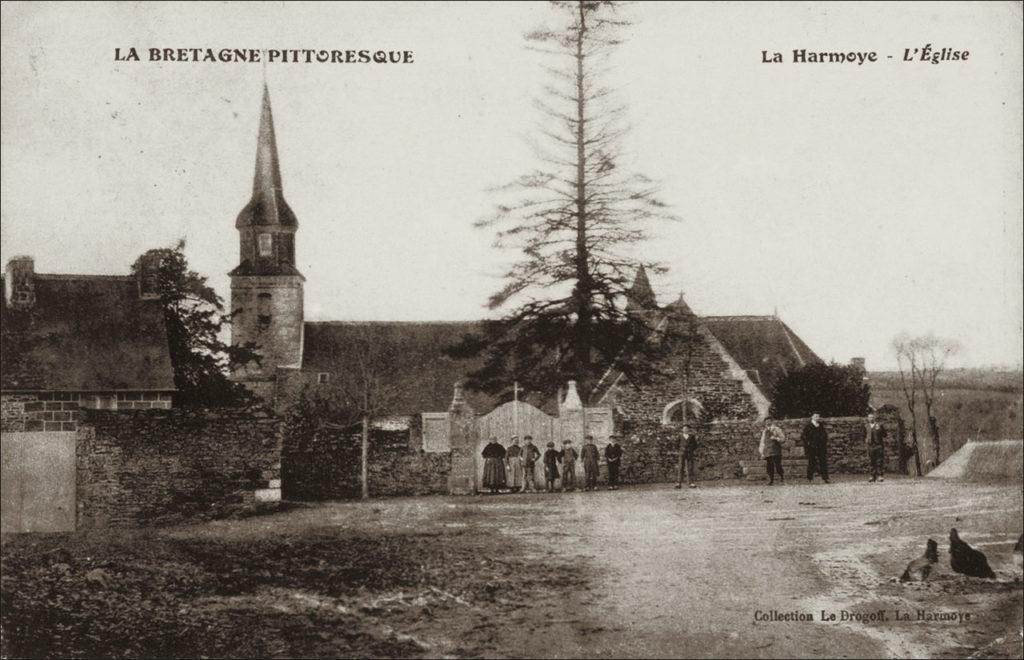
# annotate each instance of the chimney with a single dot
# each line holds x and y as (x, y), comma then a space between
(19, 287)
(149, 275)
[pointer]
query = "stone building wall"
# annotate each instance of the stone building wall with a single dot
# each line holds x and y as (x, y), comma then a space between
(651, 451)
(274, 324)
(325, 464)
(142, 467)
(59, 411)
(712, 383)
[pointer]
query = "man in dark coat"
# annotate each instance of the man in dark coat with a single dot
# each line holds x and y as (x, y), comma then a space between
(613, 456)
(689, 457)
(590, 458)
(874, 437)
(552, 458)
(815, 441)
(569, 456)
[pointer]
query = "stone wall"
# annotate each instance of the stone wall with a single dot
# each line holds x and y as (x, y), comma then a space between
(325, 464)
(651, 450)
(715, 384)
(143, 467)
(59, 411)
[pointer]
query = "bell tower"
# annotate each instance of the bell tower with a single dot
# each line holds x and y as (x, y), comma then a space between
(266, 288)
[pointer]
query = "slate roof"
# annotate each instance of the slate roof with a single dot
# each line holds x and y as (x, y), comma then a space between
(764, 346)
(413, 350)
(267, 206)
(85, 333)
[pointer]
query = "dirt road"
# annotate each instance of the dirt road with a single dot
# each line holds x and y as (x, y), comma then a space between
(651, 572)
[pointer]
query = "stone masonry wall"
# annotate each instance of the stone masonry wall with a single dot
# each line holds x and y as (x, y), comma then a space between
(326, 465)
(721, 394)
(143, 467)
(59, 411)
(651, 451)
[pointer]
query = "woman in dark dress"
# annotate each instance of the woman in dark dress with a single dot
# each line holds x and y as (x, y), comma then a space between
(494, 466)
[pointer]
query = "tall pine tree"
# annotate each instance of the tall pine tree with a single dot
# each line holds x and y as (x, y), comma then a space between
(572, 218)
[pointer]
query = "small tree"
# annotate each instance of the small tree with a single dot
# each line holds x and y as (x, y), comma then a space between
(367, 389)
(832, 390)
(196, 321)
(921, 360)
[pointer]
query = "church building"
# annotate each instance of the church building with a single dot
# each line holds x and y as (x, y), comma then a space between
(732, 363)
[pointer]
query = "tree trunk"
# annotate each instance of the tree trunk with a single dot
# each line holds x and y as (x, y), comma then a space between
(902, 449)
(365, 456)
(933, 431)
(917, 452)
(583, 291)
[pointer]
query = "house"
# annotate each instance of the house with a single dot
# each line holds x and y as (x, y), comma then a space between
(732, 365)
(79, 341)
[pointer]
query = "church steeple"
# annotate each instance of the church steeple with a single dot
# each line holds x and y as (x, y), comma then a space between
(266, 288)
(640, 296)
(267, 206)
(266, 225)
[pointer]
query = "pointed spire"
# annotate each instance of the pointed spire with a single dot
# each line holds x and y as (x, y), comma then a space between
(267, 206)
(641, 296)
(267, 179)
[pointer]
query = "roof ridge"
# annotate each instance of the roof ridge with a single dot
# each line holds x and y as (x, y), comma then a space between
(371, 322)
(742, 317)
(75, 276)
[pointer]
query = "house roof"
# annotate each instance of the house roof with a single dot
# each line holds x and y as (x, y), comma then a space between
(764, 346)
(85, 333)
(412, 353)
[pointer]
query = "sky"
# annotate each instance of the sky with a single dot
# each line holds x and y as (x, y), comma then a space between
(856, 202)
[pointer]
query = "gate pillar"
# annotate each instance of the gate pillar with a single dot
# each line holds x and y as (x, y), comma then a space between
(463, 435)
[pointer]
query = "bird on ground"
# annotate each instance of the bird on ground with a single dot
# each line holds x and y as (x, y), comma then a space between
(919, 569)
(965, 559)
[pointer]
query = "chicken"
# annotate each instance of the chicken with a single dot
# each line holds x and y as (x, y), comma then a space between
(918, 570)
(965, 559)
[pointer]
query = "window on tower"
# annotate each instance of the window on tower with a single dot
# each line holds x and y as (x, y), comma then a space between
(263, 311)
(266, 245)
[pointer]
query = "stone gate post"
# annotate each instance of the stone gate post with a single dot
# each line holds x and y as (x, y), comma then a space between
(463, 435)
(571, 417)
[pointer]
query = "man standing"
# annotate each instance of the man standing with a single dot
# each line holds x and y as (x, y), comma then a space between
(875, 435)
(815, 441)
(590, 458)
(689, 457)
(569, 457)
(514, 458)
(551, 460)
(530, 456)
(771, 450)
(613, 456)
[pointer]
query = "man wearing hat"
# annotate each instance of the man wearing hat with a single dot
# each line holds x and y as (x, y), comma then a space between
(590, 459)
(530, 456)
(613, 456)
(569, 456)
(551, 460)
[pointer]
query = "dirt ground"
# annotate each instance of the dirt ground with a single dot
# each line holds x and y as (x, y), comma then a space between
(645, 572)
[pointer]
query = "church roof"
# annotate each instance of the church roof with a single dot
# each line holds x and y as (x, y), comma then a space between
(85, 333)
(267, 205)
(764, 346)
(413, 350)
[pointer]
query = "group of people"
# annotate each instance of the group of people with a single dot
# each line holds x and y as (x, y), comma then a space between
(814, 438)
(513, 467)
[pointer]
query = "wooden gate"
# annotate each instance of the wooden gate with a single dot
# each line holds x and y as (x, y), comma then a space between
(37, 481)
(501, 423)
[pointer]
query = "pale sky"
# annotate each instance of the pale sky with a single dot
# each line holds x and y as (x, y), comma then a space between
(858, 201)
